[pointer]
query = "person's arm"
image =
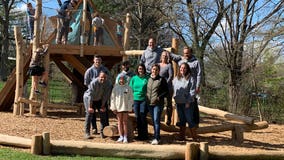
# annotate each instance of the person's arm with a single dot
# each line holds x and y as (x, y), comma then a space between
(164, 89)
(176, 58)
(171, 73)
(199, 73)
(143, 59)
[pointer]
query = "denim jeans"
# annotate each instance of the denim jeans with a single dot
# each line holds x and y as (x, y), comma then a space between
(91, 117)
(156, 112)
(140, 110)
(186, 115)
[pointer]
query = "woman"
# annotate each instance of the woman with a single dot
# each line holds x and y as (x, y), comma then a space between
(182, 85)
(166, 71)
(138, 84)
(157, 90)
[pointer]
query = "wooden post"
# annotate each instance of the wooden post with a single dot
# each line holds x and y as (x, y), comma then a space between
(191, 151)
(204, 151)
(127, 25)
(175, 68)
(238, 134)
(19, 71)
(43, 107)
(35, 46)
(43, 29)
(46, 143)
(83, 33)
(36, 146)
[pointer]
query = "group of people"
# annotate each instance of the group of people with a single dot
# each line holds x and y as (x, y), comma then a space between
(145, 91)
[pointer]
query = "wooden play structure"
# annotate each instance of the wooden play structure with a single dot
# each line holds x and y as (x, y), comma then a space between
(77, 54)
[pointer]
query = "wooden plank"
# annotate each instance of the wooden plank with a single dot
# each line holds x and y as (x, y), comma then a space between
(88, 50)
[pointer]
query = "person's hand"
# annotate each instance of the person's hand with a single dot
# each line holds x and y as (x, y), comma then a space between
(197, 90)
(90, 110)
(103, 109)
(115, 111)
(187, 105)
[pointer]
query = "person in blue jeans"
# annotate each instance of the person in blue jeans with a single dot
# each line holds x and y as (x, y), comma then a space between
(138, 84)
(157, 90)
(184, 98)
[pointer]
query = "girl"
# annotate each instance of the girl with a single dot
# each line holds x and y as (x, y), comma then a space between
(183, 96)
(121, 104)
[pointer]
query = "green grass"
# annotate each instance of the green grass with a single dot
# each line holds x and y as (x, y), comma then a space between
(10, 154)
(1, 85)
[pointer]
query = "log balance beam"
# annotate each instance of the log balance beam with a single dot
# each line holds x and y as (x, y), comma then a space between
(42, 145)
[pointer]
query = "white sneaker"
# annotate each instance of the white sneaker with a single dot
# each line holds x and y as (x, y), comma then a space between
(155, 142)
(120, 139)
(125, 140)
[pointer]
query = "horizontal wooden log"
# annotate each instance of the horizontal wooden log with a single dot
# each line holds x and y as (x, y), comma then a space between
(224, 114)
(28, 101)
(15, 141)
(137, 52)
(88, 50)
(62, 106)
(118, 150)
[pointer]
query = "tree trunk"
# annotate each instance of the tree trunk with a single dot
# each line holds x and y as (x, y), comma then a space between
(4, 50)
(234, 91)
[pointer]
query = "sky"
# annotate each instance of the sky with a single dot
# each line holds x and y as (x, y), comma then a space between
(48, 6)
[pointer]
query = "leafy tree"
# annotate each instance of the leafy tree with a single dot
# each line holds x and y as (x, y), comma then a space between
(246, 22)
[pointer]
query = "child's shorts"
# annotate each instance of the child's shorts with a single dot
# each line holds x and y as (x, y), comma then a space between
(36, 71)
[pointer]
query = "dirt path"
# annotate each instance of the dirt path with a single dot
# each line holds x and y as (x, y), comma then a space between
(69, 126)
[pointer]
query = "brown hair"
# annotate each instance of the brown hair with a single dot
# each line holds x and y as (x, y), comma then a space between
(187, 74)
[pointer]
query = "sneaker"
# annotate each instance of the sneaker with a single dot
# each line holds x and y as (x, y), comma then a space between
(94, 131)
(37, 92)
(87, 136)
(125, 140)
(43, 84)
(120, 139)
(155, 142)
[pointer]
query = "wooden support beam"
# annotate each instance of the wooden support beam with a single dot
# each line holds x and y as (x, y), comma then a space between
(224, 114)
(36, 39)
(137, 52)
(29, 101)
(68, 73)
(71, 59)
(238, 134)
(126, 36)
(88, 50)
(20, 47)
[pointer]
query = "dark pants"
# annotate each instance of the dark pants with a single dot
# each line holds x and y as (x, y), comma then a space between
(91, 118)
(140, 110)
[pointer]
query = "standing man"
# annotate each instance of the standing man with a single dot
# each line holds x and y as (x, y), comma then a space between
(95, 98)
(63, 20)
(195, 68)
(152, 55)
(90, 74)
